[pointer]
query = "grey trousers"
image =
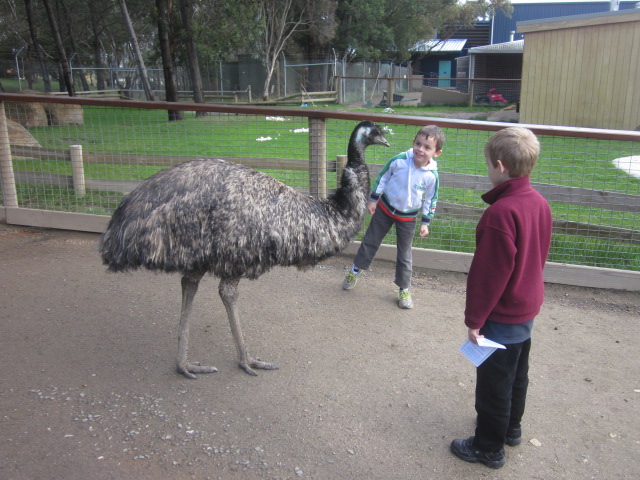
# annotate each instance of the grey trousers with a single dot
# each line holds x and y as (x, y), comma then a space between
(380, 225)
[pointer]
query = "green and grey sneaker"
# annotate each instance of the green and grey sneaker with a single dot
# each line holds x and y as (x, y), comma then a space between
(351, 279)
(404, 299)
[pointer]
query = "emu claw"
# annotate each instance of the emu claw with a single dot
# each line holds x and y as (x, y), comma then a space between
(188, 369)
(257, 363)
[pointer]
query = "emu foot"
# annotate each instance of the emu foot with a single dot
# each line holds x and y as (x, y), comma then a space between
(188, 369)
(256, 363)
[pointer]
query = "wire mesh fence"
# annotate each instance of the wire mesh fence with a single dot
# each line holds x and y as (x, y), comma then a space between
(86, 158)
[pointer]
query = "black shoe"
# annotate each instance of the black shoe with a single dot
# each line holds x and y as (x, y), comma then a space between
(467, 451)
(514, 437)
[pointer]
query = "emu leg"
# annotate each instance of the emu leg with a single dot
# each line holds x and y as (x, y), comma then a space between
(228, 290)
(190, 284)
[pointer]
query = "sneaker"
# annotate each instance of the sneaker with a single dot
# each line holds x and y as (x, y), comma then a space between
(404, 299)
(514, 437)
(467, 451)
(351, 279)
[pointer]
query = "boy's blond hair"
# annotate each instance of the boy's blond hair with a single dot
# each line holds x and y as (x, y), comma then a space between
(432, 131)
(516, 147)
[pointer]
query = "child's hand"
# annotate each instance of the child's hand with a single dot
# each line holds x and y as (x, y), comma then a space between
(371, 207)
(473, 334)
(424, 230)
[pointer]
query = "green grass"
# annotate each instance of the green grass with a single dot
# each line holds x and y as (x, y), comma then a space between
(454, 235)
(583, 163)
(580, 163)
(64, 199)
(561, 211)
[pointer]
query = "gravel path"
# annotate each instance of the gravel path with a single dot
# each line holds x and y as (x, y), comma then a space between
(365, 390)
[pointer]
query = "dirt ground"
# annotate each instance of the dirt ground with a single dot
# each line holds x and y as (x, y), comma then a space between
(364, 391)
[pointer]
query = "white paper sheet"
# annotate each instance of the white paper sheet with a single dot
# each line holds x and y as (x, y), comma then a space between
(479, 353)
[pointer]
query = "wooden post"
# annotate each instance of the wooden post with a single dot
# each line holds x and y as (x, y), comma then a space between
(341, 162)
(318, 157)
(77, 170)
(10, 195)
(471, 85)
(389, 92)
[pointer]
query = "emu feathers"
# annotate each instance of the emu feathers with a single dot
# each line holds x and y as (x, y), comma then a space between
(218, 217)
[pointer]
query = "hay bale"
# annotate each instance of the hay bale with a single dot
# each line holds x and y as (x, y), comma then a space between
(64, 114)
(43, 114)
(18, 135)
(27, 114)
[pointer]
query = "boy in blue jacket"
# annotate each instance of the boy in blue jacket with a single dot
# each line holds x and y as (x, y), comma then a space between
(406, 187)
(505, 290)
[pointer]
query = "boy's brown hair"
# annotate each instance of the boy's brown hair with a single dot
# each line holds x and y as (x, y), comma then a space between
(516, 147)
(432, 131)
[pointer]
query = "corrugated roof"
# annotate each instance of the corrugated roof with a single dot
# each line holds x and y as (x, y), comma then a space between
(435, 45)
(538, 10)
(516, 46)
(589, 19)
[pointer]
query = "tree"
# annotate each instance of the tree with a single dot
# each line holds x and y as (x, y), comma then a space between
(35, 44)
(362, 30)
(224, 28)
(71, 37)
(320, 17)
(96, 20)
(186, 12)
(466, 14)
(386, 29)
(277, 22)
(136, 50)
(62, 55)
(166, 42)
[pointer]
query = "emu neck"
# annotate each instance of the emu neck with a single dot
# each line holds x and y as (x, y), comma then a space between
(355, 153)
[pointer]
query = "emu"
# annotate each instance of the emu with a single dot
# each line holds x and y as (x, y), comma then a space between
(218, 217)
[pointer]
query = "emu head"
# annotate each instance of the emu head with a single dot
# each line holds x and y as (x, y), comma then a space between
(368, 133)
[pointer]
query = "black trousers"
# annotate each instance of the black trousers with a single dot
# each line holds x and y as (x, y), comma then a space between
(501, 393)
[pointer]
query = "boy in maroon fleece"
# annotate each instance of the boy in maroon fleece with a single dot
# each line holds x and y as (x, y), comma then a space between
(505, 291)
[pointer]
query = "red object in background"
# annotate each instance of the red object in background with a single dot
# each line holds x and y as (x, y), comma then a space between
(493, 96)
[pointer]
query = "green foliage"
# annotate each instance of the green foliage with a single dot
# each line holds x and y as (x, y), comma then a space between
(362, 30)
(224, 28)
(387, 29)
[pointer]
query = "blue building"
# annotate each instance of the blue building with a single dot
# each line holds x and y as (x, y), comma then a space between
(503, 27)
(443, 60)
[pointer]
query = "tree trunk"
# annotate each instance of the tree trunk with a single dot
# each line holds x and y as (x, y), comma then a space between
(136, 50)
(74, 47)
(36, 46)
(170, 84)
(277, 27)
(186, 11)
(266, 92)
(97, 50)
(63, 61)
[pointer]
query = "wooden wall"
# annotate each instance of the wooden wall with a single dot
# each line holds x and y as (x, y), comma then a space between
(582, 71)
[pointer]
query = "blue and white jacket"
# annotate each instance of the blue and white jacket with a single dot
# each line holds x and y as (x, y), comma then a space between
(402, 190)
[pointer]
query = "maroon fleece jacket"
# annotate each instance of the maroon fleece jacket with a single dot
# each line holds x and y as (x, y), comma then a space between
(505, 282)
